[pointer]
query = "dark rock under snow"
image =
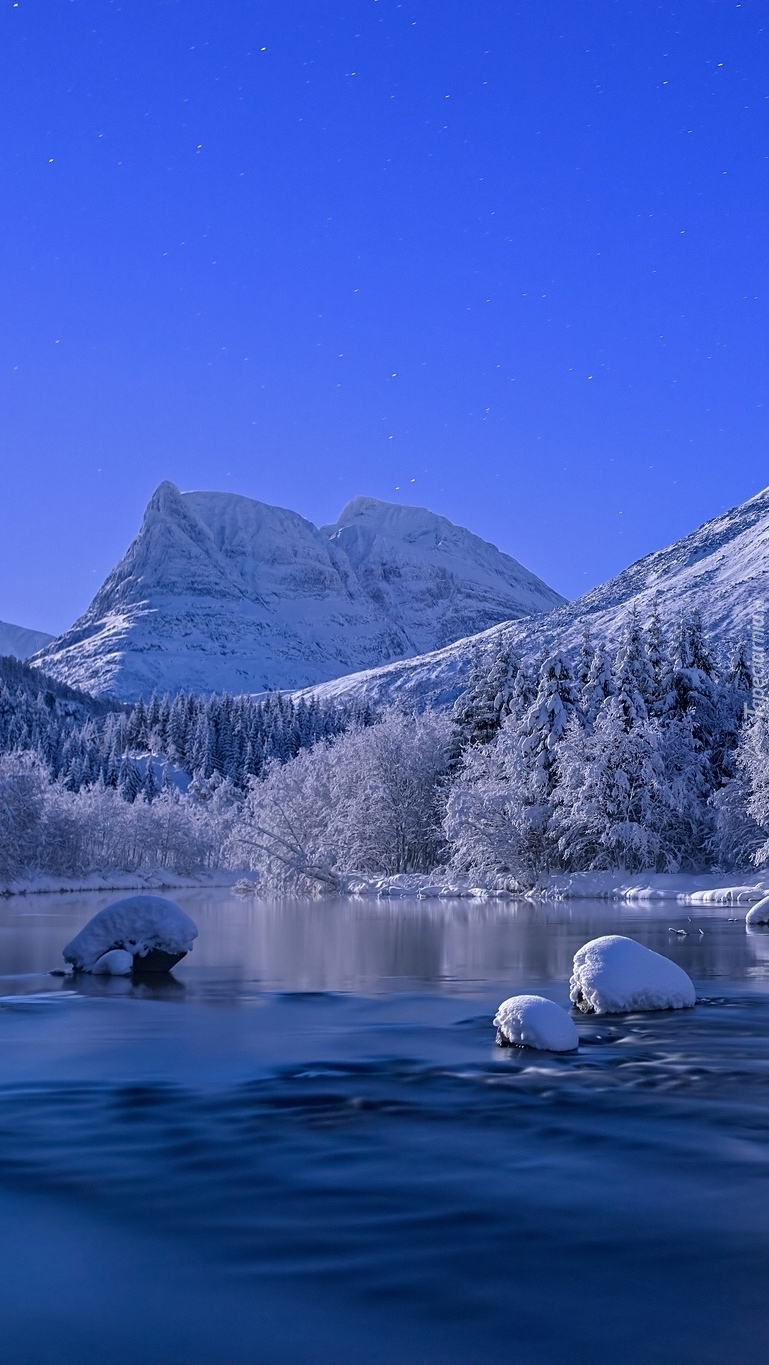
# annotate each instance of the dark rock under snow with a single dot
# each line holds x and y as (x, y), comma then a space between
(155, 932)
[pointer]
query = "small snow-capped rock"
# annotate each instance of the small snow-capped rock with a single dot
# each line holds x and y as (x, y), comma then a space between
(533, 1021)
(616, 975)
(760, 912)
(154, 931)
(117, 962)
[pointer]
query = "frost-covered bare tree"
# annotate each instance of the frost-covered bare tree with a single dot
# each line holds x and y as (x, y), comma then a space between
(286, 827)
(23, 781)
(47, 829)
(488, 827)
(368, 802)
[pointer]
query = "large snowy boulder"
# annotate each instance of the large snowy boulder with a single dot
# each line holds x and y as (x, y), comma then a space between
(760, 913)
(533, 1021)
(616, 975)
(155, 932)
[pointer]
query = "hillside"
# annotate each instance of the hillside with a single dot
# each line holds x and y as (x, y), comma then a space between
(21, 643)
(722, 569)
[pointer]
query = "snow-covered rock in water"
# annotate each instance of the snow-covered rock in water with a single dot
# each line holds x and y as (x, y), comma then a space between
(760, 913)
(534, 1021)
(155, 932)
(222, 593)
(117, 962)
(616, 975)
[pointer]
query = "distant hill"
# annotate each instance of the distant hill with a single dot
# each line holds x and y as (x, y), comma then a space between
(18, 676)
(20, 642)
(219, 592)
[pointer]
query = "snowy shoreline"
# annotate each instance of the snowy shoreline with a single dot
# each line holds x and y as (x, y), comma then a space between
(160, 879)
(708, 888)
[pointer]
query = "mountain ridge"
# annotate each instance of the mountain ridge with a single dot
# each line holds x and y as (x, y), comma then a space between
(221, 592)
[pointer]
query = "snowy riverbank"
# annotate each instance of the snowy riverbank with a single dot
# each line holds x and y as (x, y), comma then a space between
(149, 879)
(715, 888)
(709, 888)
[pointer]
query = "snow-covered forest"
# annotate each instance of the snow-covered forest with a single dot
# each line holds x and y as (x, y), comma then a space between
(649, 757)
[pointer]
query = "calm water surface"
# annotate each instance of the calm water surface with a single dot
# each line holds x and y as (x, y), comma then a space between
(305, 1147)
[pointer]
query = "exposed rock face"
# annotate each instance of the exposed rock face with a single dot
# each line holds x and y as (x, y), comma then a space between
(218, 592)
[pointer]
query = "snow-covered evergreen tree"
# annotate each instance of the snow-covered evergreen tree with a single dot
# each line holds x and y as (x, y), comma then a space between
(480, 710)
(599, 685)
(658, 657)
(585, 658)
(609, 803)
(693, 689)
(742, 807)
(499, 807)
(543, 726)
(130, 779)
(734, 702)
(633, 672)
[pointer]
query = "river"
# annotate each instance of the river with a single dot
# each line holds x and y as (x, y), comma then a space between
(304, 1145)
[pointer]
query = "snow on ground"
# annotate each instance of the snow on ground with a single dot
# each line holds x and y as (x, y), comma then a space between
(684, 888)
(428, 885)
(148, 879)
(140, 925)
(687, 888)
(533, 1021)
(616, 975)
(727, 895)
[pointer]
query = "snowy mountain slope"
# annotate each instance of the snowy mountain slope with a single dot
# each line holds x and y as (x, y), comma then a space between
(20, 678)
(722, 569)
(219, 592)
(20, 643)
(437, 581)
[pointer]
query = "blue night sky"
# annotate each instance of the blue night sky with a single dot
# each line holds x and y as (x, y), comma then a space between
(507, 261)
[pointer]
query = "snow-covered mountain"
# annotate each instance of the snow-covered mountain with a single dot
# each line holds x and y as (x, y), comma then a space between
(219, 592)
(20, 643)
(436, 581)
(722, 569)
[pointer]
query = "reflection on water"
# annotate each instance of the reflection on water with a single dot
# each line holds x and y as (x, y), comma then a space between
(371, 946)
(304, 1146)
